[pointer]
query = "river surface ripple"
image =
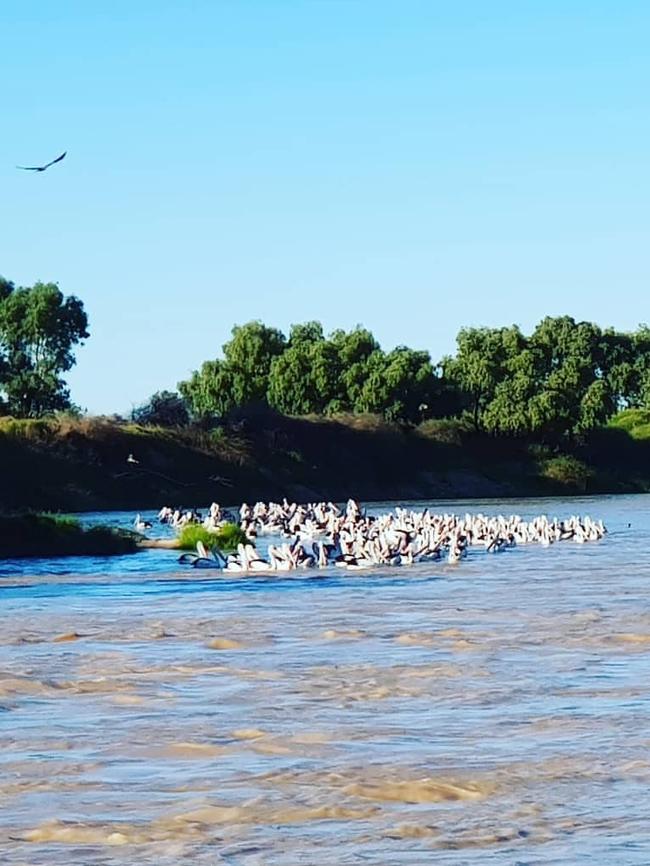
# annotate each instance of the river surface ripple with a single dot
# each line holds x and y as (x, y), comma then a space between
(492, 712)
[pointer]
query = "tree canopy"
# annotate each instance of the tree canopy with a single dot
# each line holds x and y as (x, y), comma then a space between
(565, 379)
(309, 373)
(552, 386)
(39, 329)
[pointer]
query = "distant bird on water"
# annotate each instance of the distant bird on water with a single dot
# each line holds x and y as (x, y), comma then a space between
(139, 523)
(132, 459)
(42, 167)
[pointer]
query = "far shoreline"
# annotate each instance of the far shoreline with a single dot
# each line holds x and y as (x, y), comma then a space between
(93, 464)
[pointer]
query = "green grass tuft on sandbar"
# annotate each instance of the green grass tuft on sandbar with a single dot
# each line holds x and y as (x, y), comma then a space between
(226, 538)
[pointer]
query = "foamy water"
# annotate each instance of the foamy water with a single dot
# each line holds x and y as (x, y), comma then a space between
(494, 711)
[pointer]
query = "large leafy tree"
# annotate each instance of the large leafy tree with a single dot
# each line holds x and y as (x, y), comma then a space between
(481, 364)
(249, 355)
(562, 381)
(39, 329)
(209, 391)
(636, 389)
(572, 374)
(355, 349)
(306, 378)
(400, 385)
(241, 377)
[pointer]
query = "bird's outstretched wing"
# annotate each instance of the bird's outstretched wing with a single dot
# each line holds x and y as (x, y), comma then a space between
(42, 167)
(58, 159)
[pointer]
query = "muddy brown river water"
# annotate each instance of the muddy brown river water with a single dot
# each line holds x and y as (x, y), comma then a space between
(491, 712)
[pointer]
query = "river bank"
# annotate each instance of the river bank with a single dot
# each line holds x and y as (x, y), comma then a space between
(96, 463)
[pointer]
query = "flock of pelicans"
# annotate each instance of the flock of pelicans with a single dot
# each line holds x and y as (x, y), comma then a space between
(320, 535)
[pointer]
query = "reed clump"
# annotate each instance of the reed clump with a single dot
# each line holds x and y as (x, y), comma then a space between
(226, 538)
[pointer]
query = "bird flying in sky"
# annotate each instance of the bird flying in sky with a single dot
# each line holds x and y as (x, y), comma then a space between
(42, 167)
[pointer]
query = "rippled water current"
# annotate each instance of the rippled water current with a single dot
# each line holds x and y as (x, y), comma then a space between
(492, 712)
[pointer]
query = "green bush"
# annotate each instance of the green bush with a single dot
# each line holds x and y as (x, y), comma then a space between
(164, 409)
(191, 534)
(31, 429)
(226, 538)
(635, 422)
(446, 431)
(229, 536)
(568, 471)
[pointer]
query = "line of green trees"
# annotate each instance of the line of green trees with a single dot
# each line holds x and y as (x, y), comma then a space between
(309, 373)
(555, 385)
(552, 386)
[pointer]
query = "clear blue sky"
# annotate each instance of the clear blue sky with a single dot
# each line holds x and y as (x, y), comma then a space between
(411, 166)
